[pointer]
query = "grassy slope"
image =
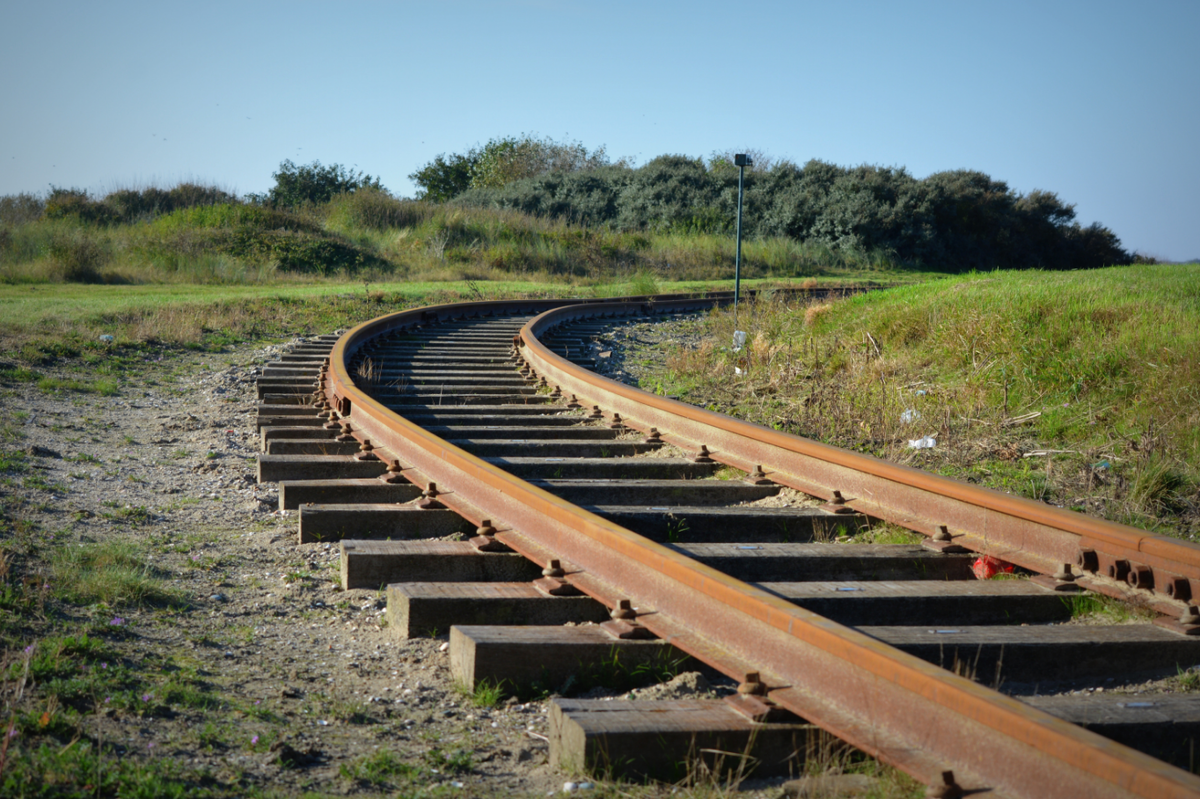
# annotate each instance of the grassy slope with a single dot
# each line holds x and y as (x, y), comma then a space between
(998, 367)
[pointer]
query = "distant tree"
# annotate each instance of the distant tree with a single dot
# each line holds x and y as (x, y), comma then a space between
(313, 183)
(503, 161)
(445, 176)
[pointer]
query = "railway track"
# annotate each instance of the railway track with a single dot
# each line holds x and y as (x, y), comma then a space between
(602, 521)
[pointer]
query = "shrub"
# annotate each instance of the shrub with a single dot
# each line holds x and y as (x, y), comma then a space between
(76, 204)
(77, 257)
(19, 209)
(314, 184)
(132, 205)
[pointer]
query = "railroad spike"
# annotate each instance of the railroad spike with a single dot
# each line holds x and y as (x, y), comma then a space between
(429, 499)
(1064, 574)
(758, 477)
(752, 685)
(947, 789)
(484, 539)
(393, 473)
(837, 504)
(623, 610)
(553, 582)
(366, 452)
(703, 456)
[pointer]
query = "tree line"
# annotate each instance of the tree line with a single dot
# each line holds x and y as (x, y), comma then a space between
(955, 220)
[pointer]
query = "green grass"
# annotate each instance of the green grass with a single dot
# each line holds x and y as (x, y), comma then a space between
(1092, 374)
(111, 573)
(65, 321)
(1101, 609)
(383, 767)
(54, 770)
(103, 387)
(486, 693)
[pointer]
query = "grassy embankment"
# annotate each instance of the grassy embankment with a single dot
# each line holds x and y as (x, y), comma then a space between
(1081, 389)
(372, 236)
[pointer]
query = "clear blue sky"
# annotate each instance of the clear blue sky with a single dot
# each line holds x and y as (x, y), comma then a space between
(1097, 101)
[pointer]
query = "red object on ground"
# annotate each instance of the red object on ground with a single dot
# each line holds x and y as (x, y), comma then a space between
(987, 567)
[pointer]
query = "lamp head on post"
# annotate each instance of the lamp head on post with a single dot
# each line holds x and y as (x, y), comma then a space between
(743, 160)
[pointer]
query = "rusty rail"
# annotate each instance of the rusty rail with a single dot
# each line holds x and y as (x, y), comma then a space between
(901, 709)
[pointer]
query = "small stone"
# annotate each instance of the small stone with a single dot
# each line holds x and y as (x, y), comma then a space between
(444, 647)
(219, 598)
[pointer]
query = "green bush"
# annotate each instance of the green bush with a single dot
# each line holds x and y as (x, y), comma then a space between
(126, 206)
(76, 204)
(313, 184)
(78, 256)
(299, 252)
(18, 209)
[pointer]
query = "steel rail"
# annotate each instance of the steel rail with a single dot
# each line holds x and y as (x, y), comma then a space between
(895, 706)
(1031, 534)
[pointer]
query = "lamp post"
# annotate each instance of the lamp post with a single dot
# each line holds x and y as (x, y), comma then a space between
(741, 161)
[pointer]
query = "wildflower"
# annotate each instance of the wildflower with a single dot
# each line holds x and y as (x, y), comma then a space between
(13, 733)
(147, 697)
(254, 740)
(116, 622)
(107, 699)
(150, 746)
(258, 701)
(29, 649)
(104, 665)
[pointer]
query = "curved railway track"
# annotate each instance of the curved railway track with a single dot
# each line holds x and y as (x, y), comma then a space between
(483, 417)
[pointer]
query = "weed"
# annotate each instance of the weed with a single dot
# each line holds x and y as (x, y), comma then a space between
(1092, 608)
(130, 514)
(676, 527)
(110, 572)
(13, 462)
(456, 762)
(486, 693)
(378, 768)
